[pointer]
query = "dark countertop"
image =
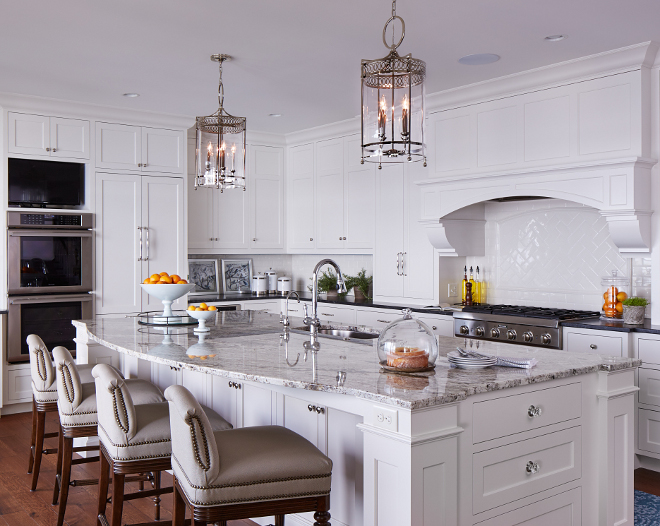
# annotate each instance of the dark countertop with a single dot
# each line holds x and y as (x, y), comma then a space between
(307, 296)
(614, 325)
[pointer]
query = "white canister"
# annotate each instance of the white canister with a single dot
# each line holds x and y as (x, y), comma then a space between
(272, 281)
(260, 284)
(283, 286)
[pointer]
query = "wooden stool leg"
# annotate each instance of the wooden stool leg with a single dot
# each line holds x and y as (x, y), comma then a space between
(117, 498)
(58, 470)
(38, 448)
(104, 477)
(178, 507)
(67, 454)
(34, 436)
(279, 520)
(157, 497)
(321, 518)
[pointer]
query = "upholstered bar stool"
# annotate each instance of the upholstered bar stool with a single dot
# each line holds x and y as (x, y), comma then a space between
(242, 473)
(133, 439)
(44, 400)
(78, 419)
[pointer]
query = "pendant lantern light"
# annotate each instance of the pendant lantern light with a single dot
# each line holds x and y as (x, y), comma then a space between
(393, 95)
(220, 145)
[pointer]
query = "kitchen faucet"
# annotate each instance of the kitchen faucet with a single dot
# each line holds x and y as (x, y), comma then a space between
(284, 317)
(313, 322)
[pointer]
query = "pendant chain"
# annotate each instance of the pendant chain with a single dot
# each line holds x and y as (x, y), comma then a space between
(221, 88)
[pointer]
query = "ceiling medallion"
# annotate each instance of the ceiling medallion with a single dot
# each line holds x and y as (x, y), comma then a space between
(393, 95)
(220, 145)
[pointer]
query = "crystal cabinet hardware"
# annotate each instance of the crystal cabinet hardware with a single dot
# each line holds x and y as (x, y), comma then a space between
(534, 411)
(235, 385)
(532, 467)
(318, 410)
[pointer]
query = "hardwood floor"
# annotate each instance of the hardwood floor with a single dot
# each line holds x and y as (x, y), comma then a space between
(20, 507)
(647, 481)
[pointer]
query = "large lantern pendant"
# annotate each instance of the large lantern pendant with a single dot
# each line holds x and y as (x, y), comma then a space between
(393, 104)
(220, 145)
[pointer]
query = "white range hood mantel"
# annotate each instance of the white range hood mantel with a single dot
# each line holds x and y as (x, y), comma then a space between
(588, 142)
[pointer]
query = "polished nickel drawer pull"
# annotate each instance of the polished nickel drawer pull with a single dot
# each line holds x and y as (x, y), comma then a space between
(593, 346)
(319, 410)
(235, 385)
(534, 411)
(383, 321)
(326, 314)
(532, 468)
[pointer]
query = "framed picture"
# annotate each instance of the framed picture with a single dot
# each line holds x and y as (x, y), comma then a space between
(237, 275)
(204, 274)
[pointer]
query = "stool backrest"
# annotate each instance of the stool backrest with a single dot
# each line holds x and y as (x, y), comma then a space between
(41, 366)
(114, 405)
(69, 386)
(194, 449)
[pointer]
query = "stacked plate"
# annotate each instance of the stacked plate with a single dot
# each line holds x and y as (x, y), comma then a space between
(470, 362)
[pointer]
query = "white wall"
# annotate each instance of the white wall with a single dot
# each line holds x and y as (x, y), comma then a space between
(552, 253)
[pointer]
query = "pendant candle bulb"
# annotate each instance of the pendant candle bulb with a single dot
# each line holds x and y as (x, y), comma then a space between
(393, 84)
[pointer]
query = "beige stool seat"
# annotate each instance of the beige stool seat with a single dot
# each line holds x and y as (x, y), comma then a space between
(49, 394)
(242, 473)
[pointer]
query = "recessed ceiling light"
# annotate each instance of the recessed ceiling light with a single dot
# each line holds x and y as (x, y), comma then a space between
(555, 38)
(479, 59)
(274, 114)
(131, 95)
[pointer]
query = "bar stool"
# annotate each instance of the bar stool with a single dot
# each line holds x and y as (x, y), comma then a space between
(76, 402)
(44, 400)
(242, 473)
(133, 439)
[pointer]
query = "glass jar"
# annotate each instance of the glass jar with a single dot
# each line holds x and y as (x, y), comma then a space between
(616, 289)
(407, 345)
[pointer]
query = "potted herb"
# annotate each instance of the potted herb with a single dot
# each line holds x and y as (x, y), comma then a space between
(361, 285)
(328, 283)
(633, 310)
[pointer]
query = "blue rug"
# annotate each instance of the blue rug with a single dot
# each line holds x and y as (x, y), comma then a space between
(647, 509)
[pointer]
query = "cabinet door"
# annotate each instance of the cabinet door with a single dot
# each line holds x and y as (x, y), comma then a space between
(359, 197)
(308, 423)
(257, 405)
(118, 146)
(162, 223)
(162, 151)
(267, 189)
(28, 133)
(223, 399)
(300, 206)
(69, 138)
(329, 157)
(201, 223)
(389, 231)
(118, 216)
(230, 219)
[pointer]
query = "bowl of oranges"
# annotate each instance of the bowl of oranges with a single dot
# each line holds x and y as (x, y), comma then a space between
(166, 288)
(202, 313)
(614, 295)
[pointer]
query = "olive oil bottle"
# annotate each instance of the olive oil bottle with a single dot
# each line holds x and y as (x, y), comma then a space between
(474, 287)
(463, 286)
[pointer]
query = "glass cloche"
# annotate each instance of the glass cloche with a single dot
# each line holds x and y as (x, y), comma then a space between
(407, 345)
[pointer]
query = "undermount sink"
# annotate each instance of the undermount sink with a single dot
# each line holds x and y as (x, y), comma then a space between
(345, 333)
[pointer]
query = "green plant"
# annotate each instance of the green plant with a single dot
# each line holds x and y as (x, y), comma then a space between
(327, 281)
(635, 302)
(360, 282)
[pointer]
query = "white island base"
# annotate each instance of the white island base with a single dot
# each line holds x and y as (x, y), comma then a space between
(466, 448)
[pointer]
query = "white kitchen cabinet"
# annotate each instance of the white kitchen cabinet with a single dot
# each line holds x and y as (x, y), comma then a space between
(376, 318)
(336, 314)
(137, 148)
(329, 158)
(441, 325)
(139, 231)
(359, 197)
(307, 419)
(48, 136)
(18, 386)
(610, 343)
(266, 188)
(300, 202)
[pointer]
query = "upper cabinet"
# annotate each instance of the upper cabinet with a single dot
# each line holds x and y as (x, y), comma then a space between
(138, 148)
(266, 186)
(48, 136)
(300, 203)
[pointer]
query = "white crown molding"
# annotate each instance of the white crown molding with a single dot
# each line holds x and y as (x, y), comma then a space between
(265, 138)
(71, 109)
(630, 58)
(332, 130)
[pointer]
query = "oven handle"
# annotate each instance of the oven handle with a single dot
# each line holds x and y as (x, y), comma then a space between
(59, 298)
(47, 233)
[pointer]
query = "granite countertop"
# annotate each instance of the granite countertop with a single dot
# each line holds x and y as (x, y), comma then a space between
(246, 345)
(307, 296)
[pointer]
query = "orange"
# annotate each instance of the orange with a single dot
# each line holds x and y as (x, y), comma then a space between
(198, 308)
(153, 281)
(175, 278)
(212, 307)
(610, 313)
(146, 281)
(605, 306)
(203, 305)
(606, 295)
(164, 274)
(165, 279)
(155, 276)
(181, 282)
(619, 307)
(622, 296)
(192, 307)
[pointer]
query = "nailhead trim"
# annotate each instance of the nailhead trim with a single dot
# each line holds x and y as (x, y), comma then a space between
(191, 420)
(143, 457)
(159, 441)
(66, 377)
(115, 398)
(41, 364)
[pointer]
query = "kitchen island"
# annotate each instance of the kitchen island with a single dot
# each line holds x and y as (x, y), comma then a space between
(496, 446)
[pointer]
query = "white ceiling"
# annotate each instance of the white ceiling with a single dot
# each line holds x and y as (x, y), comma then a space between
(300, 58)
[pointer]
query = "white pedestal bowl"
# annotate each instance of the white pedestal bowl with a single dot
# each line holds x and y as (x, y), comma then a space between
(167, 293)
(202, 316)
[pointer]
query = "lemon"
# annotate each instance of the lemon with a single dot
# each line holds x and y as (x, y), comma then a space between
(212, 307)
(203, 306)
(191, 307)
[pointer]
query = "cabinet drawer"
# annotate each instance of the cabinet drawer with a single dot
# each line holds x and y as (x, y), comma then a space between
(564, 509)
(441, 326)
(595, 343)
(501, 475)
(19, 385)
(335, 314)
(509, 415)
(649, 430)
(295, 308)
(649, 350)
(378, 319)
(649, 386)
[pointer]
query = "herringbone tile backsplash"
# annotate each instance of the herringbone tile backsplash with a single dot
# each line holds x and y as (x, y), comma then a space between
(553, 253)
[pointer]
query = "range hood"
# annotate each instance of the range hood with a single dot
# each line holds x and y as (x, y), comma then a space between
(586, 140)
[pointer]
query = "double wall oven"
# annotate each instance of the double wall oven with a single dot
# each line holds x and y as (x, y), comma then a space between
(49, 278)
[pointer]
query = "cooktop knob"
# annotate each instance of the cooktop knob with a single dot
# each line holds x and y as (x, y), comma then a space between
(495, 332)
(511, 334)
(528, 336)
(546, 339)
(480, 331)
(464, 329)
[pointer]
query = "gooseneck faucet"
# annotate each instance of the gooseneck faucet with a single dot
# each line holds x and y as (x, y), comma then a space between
(313, 322)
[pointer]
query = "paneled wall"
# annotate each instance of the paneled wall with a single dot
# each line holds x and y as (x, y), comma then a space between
(552, 253)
